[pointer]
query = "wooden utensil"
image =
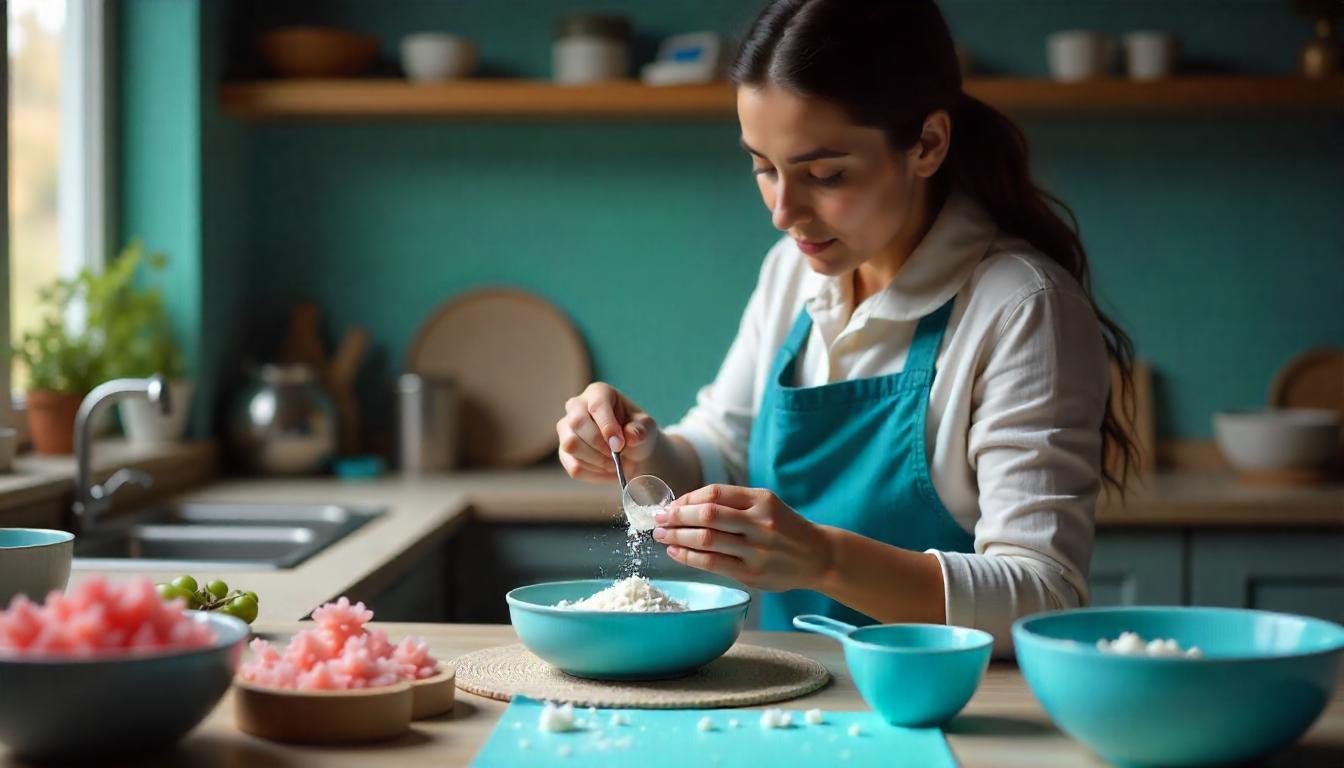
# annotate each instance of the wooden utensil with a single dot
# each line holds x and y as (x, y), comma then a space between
(1313, 379)
(303, 341)
(340, 379)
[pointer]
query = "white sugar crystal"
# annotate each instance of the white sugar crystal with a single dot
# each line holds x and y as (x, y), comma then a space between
(635, 594)
(617, 720)
(1131, 644)
(813, 717)
(640, 518)
(556, 719)
(705, 724)
(855, 730)
(517, 724)
(775, 718)
(734, 723)
(524, 744)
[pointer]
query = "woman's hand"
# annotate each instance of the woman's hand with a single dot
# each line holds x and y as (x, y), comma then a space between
(747, 534)
(598, 421)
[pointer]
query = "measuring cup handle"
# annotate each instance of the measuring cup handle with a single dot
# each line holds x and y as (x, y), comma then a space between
(823, 625)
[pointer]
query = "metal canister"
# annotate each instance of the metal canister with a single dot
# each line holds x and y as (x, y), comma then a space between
(427, 439)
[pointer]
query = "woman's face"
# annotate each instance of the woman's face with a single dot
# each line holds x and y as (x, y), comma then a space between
(837, 188)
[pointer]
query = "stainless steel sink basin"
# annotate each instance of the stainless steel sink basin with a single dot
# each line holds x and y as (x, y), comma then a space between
(214, 535)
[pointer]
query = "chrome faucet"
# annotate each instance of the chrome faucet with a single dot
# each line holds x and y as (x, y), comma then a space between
(92, 499)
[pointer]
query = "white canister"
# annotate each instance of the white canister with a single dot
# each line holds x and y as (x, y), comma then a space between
(1151, 55)
(1076, 55)
(590, 48)
(428, 57)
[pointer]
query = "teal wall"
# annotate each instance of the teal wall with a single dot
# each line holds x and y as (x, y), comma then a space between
(1216, 238)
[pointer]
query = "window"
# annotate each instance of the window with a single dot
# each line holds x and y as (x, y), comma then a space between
(56, 117)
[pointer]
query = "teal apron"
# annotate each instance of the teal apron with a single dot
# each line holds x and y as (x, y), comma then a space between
(851, 454)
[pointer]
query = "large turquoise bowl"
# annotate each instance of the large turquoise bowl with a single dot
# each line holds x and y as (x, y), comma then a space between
(1261, 682)
(910, 674)
(86, 709)
(607, 645)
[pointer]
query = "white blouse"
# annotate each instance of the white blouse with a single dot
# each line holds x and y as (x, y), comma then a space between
(1014, 415)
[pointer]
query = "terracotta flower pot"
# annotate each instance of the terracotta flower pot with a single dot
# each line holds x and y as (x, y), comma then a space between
(51, 420)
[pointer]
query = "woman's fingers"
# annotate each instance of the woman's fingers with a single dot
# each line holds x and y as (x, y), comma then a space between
(724, 495)
(705, 540)
(581, 448)
(713, 562)
(705, 516)
(602, 409)
(583, 471)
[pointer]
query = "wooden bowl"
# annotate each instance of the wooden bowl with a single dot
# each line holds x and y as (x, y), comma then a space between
(317, 52)
(323, 717)
(433, 696)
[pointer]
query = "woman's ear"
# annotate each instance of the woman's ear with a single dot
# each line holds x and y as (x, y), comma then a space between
(927, 156)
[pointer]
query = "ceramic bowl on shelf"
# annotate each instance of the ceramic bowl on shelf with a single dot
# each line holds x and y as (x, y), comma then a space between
(429, 57)
(63, 708)
(1261, 680)
(616, 645)
(313, 52)
(1288, 444)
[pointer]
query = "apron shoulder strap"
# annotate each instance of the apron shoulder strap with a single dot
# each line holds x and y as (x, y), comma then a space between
(928, 338)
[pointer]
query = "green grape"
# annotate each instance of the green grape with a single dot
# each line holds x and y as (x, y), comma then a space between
(185, 583)
(170, 592)
(243, 607)
(252, 595)
(217, 588)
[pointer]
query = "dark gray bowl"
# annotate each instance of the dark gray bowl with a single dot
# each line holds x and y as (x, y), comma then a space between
(67, 708)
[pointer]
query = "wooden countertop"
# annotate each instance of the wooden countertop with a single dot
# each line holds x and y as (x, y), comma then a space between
(1002, 726)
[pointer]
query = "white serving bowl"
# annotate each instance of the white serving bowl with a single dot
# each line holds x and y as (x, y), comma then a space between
(429, 57)
(1277, 440)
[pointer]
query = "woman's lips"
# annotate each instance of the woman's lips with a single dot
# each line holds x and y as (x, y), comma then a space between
(813, 247)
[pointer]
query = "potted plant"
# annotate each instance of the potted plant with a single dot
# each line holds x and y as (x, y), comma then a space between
(63, 365)
(136, 341)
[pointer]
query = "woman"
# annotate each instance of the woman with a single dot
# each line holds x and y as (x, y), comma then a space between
(909, 425)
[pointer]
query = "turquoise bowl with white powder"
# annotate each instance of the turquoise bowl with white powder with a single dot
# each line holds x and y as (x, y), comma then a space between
(627, 645)
(1258, 682)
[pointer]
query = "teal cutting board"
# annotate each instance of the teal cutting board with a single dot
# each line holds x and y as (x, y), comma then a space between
(670, 738)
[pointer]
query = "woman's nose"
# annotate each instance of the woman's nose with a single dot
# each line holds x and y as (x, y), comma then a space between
(788, 208)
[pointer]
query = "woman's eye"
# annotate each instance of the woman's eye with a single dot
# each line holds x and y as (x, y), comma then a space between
(767, 171)
(828, 181)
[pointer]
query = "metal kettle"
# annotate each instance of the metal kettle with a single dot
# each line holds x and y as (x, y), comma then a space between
(283, 422)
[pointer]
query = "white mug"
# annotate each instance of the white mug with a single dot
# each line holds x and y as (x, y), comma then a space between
(429, 57)
(1076, 55)
(1150, 55)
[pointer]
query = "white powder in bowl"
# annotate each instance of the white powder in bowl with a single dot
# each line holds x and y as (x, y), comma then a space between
(556, 719)
(1131, 644)
(632, 595)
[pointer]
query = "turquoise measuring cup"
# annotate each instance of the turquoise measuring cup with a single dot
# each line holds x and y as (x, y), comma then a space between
(910, 674)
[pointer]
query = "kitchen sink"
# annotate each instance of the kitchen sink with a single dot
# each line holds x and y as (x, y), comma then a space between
(218, 535)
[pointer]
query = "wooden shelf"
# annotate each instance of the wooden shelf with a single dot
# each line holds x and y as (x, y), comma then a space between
(539, 99)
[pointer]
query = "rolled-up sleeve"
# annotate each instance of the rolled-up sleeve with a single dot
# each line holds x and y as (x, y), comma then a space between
(1035, 448)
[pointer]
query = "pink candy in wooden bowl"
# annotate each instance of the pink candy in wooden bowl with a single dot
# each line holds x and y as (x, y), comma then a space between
(340, 682)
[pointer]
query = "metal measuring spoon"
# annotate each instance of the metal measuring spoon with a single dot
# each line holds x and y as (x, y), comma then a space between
(643, 496)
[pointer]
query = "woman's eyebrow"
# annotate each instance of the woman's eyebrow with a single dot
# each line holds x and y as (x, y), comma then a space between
(820, 153)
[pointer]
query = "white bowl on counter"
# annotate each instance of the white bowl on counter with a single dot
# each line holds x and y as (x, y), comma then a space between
(33, 562)
(1283, 443)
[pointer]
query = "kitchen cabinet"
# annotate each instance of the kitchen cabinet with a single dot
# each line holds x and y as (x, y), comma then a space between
(1138, 568)
(421, 593)
(1299, 571)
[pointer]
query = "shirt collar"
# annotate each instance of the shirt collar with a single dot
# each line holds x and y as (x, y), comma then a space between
(941, 263)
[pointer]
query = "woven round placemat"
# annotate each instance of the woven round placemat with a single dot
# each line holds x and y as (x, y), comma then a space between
(744, 676)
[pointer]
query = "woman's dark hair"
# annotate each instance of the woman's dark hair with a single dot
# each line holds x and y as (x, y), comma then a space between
(890, 64)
